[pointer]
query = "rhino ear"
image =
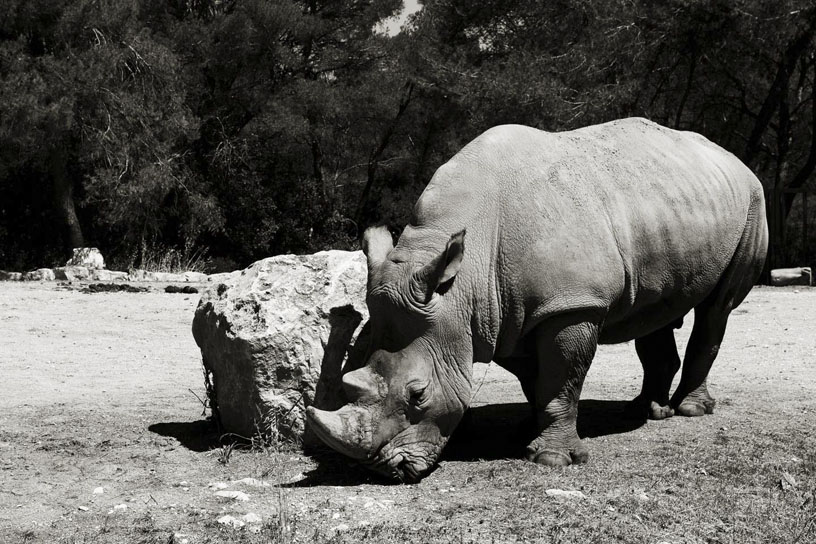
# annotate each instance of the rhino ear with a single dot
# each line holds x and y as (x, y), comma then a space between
(435, 275)
(377, 243)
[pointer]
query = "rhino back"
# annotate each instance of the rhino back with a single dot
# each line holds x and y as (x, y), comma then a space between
(629, 218)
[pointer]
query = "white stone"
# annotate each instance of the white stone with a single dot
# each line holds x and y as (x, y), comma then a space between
(89, 257)
(232, 495)
(197, 277)
(276, 335)
(98, 490)
(41, 274)
(570, 494)
(251, 517)
(252, 482)
(10, 276)
(231, 521)
(108, 275)
(72, 273)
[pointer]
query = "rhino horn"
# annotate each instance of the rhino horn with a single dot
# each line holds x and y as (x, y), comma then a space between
(377, 243)
(361, 386)
(345, 430)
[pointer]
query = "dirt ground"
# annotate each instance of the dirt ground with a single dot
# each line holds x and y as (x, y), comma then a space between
(103, 439)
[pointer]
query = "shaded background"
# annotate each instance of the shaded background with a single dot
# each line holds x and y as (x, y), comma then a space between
(225, 131)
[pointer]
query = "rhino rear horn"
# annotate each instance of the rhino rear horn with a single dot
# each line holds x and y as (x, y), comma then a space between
(442, 269)
(377, 243)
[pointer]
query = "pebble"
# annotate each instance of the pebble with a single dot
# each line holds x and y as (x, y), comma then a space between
(252, 482)
(98, 490)
(231, 521)
(234, 495)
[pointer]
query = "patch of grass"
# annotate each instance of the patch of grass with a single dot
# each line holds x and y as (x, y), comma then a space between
(159, 258)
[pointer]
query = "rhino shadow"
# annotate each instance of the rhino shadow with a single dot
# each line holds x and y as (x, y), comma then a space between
(490, 432)
(502, 431)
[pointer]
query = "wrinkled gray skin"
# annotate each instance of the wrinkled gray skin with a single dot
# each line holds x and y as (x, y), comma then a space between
(529, 248)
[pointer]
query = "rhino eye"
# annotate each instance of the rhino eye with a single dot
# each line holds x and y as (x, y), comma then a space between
(416, 394)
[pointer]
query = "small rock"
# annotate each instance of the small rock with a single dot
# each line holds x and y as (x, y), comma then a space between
(231, 521)
(336, 515)
(642, 497)
(83, 508)
(251, 482)
(41, 274)
(251, 517)
(88, 257)
(565, 493)
(10, 276)
(218, 485)
(98, 490)
(234, 495)
(297, 478)
(787, 481)
(340, 528)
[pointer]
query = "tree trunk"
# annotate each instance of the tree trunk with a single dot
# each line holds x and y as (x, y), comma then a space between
(799, 46)
(64, 199)
(374, 159)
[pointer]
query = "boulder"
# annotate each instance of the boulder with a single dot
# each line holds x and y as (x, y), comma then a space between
(41, 274)
(277, 337)
(196, 277)
(72, 273)
(89, 257)
(792, 276)
(10, 276)
(141, 275)
(108, 275)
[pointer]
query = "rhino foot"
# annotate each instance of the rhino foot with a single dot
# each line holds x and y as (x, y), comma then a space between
(696, 407)
(695, 404)
(576, 454)
(639, 408)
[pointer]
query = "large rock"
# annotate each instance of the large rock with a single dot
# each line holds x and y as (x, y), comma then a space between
(88, 257)
(276, 338)
(10, 276)
(792, 276)
(41, 274)
(72, 273)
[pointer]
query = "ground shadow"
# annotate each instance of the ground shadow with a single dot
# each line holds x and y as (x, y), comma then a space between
(197, 436)
(337, 470)
(495, 431)
(502, 431)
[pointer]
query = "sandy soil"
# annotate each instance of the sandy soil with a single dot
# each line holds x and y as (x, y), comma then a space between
(102, 391)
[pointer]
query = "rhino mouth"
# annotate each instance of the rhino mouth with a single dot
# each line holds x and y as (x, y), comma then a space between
(406, 462)
(407, 457)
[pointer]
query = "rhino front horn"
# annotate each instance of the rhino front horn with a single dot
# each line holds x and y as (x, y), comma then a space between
(345, 430)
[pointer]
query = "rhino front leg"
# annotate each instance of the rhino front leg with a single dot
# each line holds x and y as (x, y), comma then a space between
(658, 355)
(564, 356)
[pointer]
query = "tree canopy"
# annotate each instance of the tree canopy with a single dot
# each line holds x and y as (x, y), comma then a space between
(257, 127)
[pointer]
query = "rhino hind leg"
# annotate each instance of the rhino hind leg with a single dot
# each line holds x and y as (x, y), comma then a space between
(692, 397)
(658, 355)
(564, 356)
(711, 316)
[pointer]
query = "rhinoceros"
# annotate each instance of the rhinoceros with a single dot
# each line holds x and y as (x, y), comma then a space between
(530, 248)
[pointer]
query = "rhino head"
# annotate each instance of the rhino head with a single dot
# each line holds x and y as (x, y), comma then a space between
(408, 398)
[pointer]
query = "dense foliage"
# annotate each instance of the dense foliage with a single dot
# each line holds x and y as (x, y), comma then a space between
(255, 127)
